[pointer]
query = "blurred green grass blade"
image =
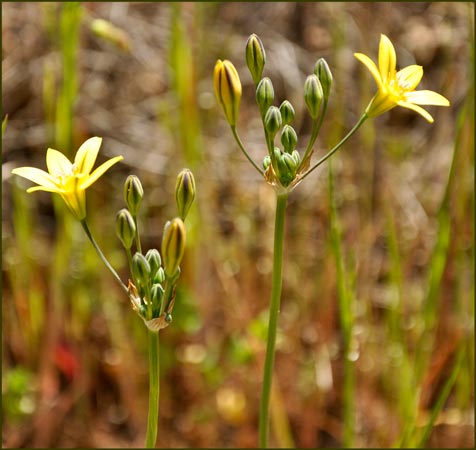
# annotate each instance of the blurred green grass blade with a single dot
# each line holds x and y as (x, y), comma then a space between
(70, 21)
(4, 124)
(445, 392)
(345, 314)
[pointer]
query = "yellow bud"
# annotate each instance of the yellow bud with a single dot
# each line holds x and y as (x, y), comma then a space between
(227, 85)
(173, 246)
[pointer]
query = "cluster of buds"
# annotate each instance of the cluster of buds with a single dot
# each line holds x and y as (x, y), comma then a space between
(282, 167)
(154, 277)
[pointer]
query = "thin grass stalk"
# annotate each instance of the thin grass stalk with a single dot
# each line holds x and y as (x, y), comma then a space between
(277, 281)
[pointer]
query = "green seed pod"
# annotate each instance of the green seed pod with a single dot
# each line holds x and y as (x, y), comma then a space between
(133, 193)
(289, 138)
(173, 246)
(154, 260)
(227, 86)
(184, 192)
(255, 57)
(272, 121)
(313, 95)
(266, 162)
(140, 270)
(325, 76)
(287, 112)
(125, 228)
(264, 95)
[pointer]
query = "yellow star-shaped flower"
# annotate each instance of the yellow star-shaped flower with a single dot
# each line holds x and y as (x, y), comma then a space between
(67, 179)
(397, 88)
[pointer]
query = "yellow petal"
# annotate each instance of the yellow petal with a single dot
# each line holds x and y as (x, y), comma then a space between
(46, 189)
(409, 77)
(387, 60)
(417, 109)
(426, 98)
(38, 176)
(87, 154)
(57, 163)
(98, 172)
(367, 62)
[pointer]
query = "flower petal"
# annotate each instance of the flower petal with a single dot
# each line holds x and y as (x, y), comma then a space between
(426, 98)
(99, 171)
(417, 109)
(57, 163)
(367, 62)
(409, 77)
(46, 189)
(87, 154)
(38, 176)
(387, 59)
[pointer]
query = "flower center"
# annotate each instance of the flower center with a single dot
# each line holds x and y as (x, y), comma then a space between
(63, 177)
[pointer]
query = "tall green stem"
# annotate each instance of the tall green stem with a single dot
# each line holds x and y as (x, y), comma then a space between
(281, 201)
(154, 386)
(101, 255)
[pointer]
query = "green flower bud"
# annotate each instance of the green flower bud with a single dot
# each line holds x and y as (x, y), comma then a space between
(272, 121)
(297, 157)
(140, 270)
(133, 193)
(277, 153)
(266, 162)
(154, 260)
(255, 57)
(289, 138)
(173, 246)
(287, 112)
(325, 76)
(156, 293)
(227, 86)
(125, 228)
(264, 95)
(313, 95)
(159, 276)
(287, 169)
(184, 192)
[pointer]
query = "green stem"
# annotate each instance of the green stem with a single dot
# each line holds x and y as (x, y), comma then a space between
(101, 255)
(338, 146)
(154, 386)
(242, 148)
(273, 319)
(316, 127)
(138, 246)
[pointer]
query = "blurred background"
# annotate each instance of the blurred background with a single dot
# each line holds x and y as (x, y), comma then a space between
(386, 361)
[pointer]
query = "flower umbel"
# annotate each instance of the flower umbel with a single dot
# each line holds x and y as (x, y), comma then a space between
(70, 180)
(397, 88)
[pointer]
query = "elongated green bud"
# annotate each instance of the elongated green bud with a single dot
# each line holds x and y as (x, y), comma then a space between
(313, 95)
(184, 192)
(133, 193)
(159, 276)
(154, 260)
(173, 246)
(264, 95)
(289, 138)
(325, 76)
(255, 57)
(296, 156)
(266, 162)
(156, 293)
(140, 270)
(272, 121)
(287, 112)
(227, 86)
(125, 228)
(111, 33)
(287, 168)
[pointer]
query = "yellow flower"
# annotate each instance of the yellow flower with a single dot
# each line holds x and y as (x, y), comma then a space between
(69, 180)
(227, 85)
(397, 88)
